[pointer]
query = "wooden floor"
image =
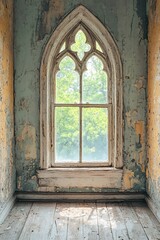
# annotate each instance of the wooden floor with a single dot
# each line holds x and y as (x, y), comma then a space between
(77, 221)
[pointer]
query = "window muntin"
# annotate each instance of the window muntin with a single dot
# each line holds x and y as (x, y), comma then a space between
(81, 106)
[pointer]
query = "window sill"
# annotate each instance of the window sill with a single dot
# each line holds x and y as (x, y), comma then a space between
(79, 179)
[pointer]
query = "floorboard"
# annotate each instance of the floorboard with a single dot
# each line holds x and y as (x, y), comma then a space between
(90, 226)
(151, 229)
(60, 222)
(39, 222)
(134, 228)
(78, 221)
(117, 221)
(104, 224)
(75, 223)
(12, 227)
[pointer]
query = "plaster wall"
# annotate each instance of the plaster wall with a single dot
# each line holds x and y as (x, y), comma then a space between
(34, 23)
(153, 168)
(7, 168)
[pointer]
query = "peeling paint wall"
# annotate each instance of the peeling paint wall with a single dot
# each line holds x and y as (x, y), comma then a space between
(34, 23)
(153, 169)
(7, 168)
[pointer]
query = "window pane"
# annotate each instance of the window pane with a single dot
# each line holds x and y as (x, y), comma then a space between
(94, 82)
(80, 46)
(95, 135)
(67, 82)
(67, 134)
(63, 47)
(98, 47)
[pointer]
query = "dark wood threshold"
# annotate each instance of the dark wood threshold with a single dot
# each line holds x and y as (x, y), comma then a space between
(80, 197)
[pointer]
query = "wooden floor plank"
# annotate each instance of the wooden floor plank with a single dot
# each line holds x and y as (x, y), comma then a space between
(78, 221)
(118, 226)
(151, 229)
(75, 222)
(59, 228)
(14, 223)
(90, 225)
(39, 222)
(104, 225)
(135, 229)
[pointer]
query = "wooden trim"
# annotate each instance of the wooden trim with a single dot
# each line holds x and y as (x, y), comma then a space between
(90, 165)
(7, 208)
(152, 206)
(82, 105)
(79, 179)
(67, 197)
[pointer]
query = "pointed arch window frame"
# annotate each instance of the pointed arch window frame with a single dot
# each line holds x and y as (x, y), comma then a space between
(76, 17)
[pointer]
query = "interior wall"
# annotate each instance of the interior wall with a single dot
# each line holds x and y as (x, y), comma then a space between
(7, 168)
(153, 169)
(34, 23)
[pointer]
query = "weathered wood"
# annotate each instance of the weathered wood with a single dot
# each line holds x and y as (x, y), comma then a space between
(104, 225)
(90, 225)
(39, 222)
(67, 197)
(151, 229)
(12, 227)
(118, 226)
(66, 178)
(153, 207)
(134, 228)
(59, 223)
(6, 208)
(75, 223)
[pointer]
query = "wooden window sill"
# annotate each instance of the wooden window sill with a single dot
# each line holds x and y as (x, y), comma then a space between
(79, 179)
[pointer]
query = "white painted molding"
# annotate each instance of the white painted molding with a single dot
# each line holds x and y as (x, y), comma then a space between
(106, 197)
(152, 206)
(7, 208)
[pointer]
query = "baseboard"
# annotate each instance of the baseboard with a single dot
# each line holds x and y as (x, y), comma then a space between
(153, 207)
(7, 208)
(73, 197)
(68, 197)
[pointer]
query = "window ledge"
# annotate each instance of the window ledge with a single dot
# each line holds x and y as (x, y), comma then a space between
(79, 179)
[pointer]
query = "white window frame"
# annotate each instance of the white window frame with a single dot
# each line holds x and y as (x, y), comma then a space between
(80, 15)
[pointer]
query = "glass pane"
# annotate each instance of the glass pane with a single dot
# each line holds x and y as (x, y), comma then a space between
(63, 47)
(67, 82)
(80, 46)
(95, 135)
(94, 82)
(98, 47)
(67, 134)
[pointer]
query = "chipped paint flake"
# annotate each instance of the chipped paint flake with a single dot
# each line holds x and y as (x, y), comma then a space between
(140, 83)
(131, 117)
(27, 142)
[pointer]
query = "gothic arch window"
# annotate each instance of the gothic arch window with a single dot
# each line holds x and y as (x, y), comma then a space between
(81, 95)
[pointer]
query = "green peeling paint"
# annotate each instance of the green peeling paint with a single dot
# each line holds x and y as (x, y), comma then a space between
(34, 23)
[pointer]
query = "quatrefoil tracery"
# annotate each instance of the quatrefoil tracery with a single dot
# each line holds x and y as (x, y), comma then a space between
(80, 46)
